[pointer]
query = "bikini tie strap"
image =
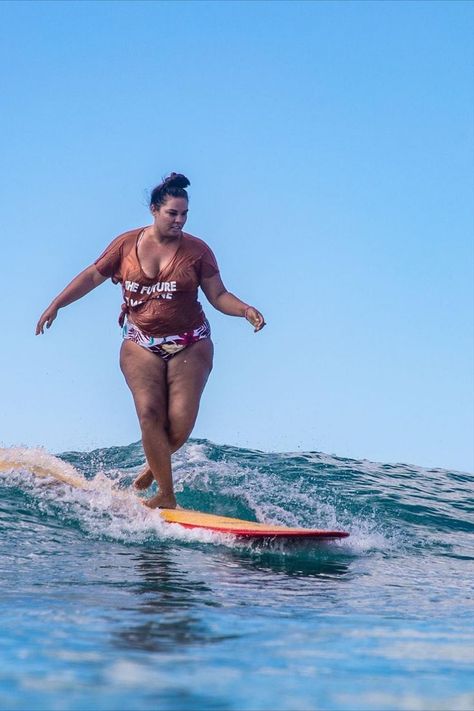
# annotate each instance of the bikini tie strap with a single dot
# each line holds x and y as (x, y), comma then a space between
(124, 310)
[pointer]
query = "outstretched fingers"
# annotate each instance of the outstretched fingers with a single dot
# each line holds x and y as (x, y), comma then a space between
(47, 319)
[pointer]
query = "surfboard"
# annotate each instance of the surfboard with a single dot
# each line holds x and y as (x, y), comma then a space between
(244, 529)
(61, 473)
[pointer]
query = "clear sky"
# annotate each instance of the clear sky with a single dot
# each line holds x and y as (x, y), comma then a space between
(330, 151)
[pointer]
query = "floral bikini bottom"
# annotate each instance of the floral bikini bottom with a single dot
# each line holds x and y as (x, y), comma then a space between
(167, 346)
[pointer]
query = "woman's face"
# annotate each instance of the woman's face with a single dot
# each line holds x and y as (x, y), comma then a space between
(171, 217)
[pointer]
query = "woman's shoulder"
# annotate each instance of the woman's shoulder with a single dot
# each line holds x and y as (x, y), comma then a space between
(124, 242)
(195, 244)
(129, 235)
(201, 254)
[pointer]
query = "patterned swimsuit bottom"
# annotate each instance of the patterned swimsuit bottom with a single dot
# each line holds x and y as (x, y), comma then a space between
(167, 346)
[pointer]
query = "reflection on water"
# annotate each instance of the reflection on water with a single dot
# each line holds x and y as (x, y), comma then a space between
(173, 588)
(295, 560)
(167, 595)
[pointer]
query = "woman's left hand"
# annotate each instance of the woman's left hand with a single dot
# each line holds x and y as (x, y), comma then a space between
(254, 317)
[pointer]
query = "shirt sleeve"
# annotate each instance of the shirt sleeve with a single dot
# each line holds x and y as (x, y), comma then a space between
(208, 265)
(108, 264)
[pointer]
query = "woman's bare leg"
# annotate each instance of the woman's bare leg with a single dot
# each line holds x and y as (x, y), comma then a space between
(145, 479)
(187, 374)
(146, 376)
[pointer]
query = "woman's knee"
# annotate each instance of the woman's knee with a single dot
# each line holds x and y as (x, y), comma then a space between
(177, 437)
(151, 416)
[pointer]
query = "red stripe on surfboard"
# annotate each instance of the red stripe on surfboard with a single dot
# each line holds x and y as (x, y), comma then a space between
(246, 533)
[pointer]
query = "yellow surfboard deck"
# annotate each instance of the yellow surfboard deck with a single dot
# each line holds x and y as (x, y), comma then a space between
(59, 471)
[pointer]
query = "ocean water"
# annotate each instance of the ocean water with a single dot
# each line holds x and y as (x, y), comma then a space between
(104, 606)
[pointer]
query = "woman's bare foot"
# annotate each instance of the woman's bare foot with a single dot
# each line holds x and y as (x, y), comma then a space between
(161, 502)
(144, 479)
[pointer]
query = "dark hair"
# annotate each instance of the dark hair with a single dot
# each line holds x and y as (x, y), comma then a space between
(172, 186)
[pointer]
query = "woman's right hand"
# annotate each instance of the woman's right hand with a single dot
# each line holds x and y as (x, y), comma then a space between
(47, 317)
(79, 287)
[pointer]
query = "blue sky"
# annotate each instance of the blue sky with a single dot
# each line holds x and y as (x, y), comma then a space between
(330, 151)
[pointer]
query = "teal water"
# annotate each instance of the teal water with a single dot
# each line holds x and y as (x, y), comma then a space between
(103, 606)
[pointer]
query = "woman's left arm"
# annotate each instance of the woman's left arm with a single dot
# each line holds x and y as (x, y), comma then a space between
(228, 304)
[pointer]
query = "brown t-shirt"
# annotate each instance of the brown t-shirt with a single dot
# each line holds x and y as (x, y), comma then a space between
(167, 304)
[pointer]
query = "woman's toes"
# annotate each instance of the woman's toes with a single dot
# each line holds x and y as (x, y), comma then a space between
(161, 502)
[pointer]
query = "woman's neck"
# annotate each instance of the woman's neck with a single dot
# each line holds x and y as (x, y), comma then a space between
(155, 234)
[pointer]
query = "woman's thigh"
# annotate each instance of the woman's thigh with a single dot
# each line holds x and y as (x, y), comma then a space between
(146, 376)
(188, 372)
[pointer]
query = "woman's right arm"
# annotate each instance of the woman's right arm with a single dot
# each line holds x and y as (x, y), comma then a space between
(79, 287)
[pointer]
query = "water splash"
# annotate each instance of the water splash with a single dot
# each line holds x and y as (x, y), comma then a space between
(385, 507)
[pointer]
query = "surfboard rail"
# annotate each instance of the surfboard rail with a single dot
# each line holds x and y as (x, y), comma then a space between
(242, 528)
(268, 533)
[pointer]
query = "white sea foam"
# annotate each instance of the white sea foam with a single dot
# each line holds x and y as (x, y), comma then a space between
(100, 508)
(276, 500)
(103, 507)
(28, 457)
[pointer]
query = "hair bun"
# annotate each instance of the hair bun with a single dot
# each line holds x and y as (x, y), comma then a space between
(172, 186)
(176, 180)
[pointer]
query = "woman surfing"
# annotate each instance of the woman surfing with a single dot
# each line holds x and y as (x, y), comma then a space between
(166, 353)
